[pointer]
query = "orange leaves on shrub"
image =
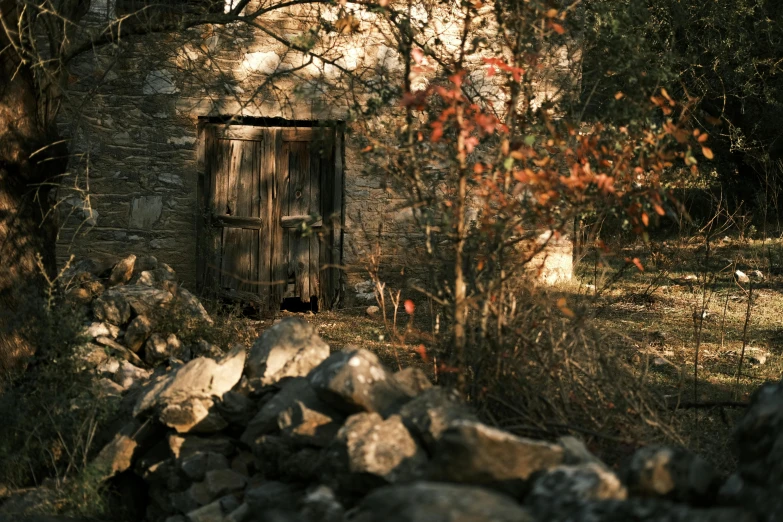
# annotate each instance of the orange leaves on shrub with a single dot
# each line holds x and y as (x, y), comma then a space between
(562, 304)
(635, 261)
(559, 29)
(496, 63)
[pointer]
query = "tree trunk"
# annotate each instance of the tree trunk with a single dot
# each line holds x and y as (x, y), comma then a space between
(23, 232)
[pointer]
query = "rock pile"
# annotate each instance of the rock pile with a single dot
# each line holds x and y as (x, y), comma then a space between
(127, 303)
(294, 431)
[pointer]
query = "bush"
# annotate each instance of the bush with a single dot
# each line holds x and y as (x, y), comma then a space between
(52, 415)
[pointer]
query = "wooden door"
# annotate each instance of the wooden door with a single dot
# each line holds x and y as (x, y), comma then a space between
(272, 200)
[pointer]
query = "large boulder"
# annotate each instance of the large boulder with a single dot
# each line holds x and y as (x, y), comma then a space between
(184, 398)
(472, 453)
(369, 451)
(290, 348)
(355, 381)
(433, 502)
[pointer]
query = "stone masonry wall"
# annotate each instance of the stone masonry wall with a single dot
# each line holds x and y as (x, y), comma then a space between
(131, 114)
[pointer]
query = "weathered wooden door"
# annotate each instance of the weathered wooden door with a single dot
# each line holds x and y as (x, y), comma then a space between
(272, 200)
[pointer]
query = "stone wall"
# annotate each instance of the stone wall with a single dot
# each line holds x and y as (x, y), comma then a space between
(297, 431)
(131, 114)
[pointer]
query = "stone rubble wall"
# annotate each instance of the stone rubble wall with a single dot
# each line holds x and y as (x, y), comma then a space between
(294, 430)
(131, 113)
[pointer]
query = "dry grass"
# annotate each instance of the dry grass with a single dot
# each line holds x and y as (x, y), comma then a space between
(650, 316)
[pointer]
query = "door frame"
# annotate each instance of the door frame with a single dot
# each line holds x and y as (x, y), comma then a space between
(206, 128)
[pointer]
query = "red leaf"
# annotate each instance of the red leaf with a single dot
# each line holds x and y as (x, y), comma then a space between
(409, 307)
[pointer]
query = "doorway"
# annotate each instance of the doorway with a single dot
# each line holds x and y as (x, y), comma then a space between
(272, 200)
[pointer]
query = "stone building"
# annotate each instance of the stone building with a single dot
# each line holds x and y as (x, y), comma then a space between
(230, 151)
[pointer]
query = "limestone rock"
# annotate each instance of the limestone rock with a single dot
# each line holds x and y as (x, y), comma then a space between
(190, 385)
(159, 349)
(144, 300)
(308, 421)
(434, 502)
(222, 481)
(183, 447)
(204, 349)
(271, 496)
(240, 514)
(473, 453)
(290, 348)
(193, 306)
(98, 329)
(673, 473)
(298, 412)
(194, 414)
(115, 349)
(355, 381)
(215, 511)
(758, 445)
(108, 388)
(369, 451)
(157, 277)
(128, 374)
(122, 271)
(412, 381)
(431, 413)
(236, 408)
(145, 263)
(196, 466)
(112, 307)
(137, 332)
(86, 269)
(567, 487)
(320, 504)
(577, 453)
(117, 456)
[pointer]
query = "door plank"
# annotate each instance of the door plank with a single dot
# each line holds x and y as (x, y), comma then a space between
(280, 208)
(326, 271)
(235, 166)
(299, 198)
(338, 221)
(315, 208)
(222, 174)
(266, 239)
